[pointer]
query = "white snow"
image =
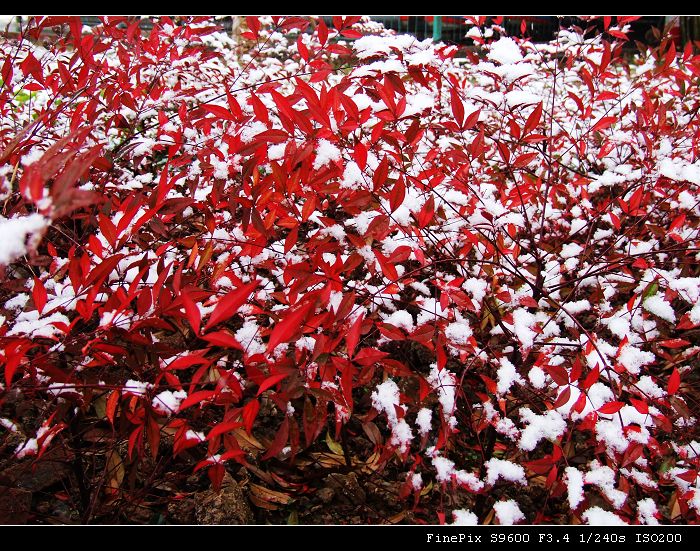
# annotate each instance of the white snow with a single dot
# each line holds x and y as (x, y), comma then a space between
(326, 152)
(537, 377)
(574, 486)
(522, 323)
(507, 376)
(548, 426)
(505, 51)
(401, 435)
(632, 358)
(386, 398)
(444, 382)
(20, 234)
(424, 421)
(657, 305)
(604, 477)
(249, 338)
(444, 468)
(597, 516)
(401, 319)
(646, 512)
(508, 512)
(168, 402)
(458, 332)
(464, 517)
(569, 250)
(500, 468)
(137, 388)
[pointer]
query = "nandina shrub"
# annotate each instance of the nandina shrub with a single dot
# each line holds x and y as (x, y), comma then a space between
(311, 249)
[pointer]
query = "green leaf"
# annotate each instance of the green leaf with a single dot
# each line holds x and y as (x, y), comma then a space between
(333, 445)
(651, 289)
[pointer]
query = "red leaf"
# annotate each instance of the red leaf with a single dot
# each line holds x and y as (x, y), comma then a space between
(350, 33)
(558, 374)
(524, 160)
(603, 123)
(280, 440)
(39, 294)
(230, 304)
(674, 343)
(674, 382)
(388, 269)
(111, 407)
(369, 356)
(223, 339)
(249, 413)
(222, 428)
(611, 407)
(472, 119)
(352, 337)
(591, 378)
(398, 193)
(534, 119)
(457, 106)
(271, 381)
(194, 316)
(563, 397)
(219, 112)
(322, 31)
(528, 301)
(196, 398)
(678, 222)
(380, 175)
(287, 327)
(360, 155)
(641, 406)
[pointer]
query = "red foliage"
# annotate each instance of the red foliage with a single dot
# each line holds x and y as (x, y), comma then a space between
(234, 244)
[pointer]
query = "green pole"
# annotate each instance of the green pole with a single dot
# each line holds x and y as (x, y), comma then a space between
(437, 28)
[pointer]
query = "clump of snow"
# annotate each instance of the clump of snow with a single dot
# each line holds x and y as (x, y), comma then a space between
(647, 511)
(401, 435)
(604, 477)
(249, 338)
(505, 51)
(444, 382)
(444, 468)
(464, 517)
(137, 388)
(19, 235)
(596, 516)
(659, 306)
(632, 358)
(507, 376)
(33, 324)
(401, 319)
(500, 468)
(251, 130)
(570, 250)
(550, 426)
(537, 377)
(523, 321)
(508, 512)
(476, 288)
(326, 152)
(168, 402)
(424, 421)
(574, 485)
(458, 333)
(386, 398)
(416, 480)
